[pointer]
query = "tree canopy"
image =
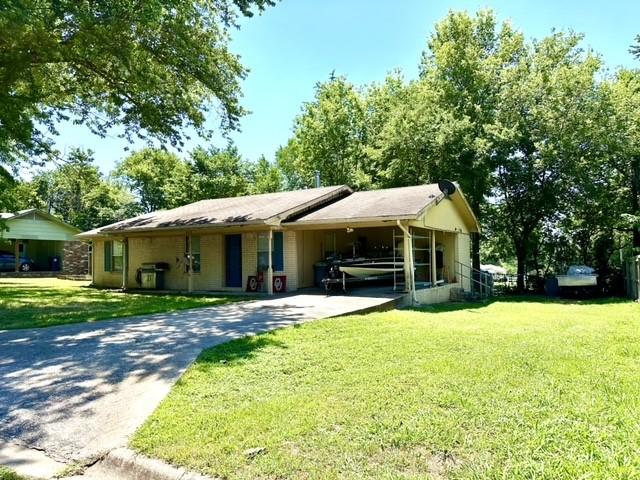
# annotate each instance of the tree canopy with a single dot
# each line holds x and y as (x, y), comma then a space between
(152, 68)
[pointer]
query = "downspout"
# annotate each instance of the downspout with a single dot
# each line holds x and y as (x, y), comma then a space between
(412, 278)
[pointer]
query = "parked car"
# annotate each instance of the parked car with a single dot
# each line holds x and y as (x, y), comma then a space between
(8, 262)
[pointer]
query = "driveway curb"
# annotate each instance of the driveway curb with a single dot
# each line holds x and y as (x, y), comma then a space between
(127, 464)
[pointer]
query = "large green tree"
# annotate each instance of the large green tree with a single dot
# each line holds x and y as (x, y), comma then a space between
(624, 141)
(217, 173)
(157, 177)
(152, 67)
(328, 138)
(76, 192)
(462, 64)
(543, 134)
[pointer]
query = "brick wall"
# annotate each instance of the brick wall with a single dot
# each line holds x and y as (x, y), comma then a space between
(75, 258)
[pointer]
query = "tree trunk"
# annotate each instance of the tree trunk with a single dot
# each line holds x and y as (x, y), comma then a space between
(521, 257)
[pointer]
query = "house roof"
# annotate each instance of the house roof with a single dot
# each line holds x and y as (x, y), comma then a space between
(21, 213)
(403, 203)
(36, 211)
(56, 229)
(266, 209)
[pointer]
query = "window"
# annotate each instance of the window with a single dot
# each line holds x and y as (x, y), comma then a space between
(194, 250)
(113, 256)
(277, 252)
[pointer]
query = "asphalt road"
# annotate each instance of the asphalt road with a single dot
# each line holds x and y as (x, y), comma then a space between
(76, 391)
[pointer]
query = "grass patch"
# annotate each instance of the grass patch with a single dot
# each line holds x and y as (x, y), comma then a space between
(8, 474)
(47, 302)
(512, 389)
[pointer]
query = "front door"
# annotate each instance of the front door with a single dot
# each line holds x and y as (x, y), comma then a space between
(234, 260)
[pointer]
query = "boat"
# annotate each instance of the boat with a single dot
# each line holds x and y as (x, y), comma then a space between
(578, 276)
(371, 267)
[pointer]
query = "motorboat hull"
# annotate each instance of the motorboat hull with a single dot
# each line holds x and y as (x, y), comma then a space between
(371, 268)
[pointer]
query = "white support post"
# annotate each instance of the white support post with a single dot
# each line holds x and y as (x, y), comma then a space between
(434, 269)
(189, 252)
(409, 264)
(270, 265)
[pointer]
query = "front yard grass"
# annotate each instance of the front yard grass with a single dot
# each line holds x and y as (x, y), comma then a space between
(8, 474)
(28, 303)
(509, 390)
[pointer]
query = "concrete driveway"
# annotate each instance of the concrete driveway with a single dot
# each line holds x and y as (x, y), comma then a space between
(76, 391)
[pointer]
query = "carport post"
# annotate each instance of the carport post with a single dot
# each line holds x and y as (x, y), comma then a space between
(434, 267)
(409, 268)
(17, 254)
(270, 265)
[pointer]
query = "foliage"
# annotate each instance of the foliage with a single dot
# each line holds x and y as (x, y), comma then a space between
(542, 142)
(635, 48)
(267, 177)
(157, 177)
(152, 67)
(537, 153)
(217, 173)
(77, 192)
(35, 303)
(463, 392)
(7, 474)
(329, 135)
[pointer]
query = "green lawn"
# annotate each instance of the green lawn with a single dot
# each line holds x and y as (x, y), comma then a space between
(510, 390)
(26, 303)
(8, 474)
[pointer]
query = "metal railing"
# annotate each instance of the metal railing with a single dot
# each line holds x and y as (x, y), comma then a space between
(481, 282)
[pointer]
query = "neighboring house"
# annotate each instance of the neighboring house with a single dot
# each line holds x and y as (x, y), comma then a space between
(225, 244)
(36, 240)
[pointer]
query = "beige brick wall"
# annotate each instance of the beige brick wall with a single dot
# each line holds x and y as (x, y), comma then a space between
(250, 259)
(211, 276)
(159, 249)
(249, 256)
(100, 277)
(463, 241)
(291, 260)
(171, 249)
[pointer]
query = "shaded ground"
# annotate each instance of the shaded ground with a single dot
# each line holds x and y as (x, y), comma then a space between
(78, 390)
(518, 388)
(28, 303)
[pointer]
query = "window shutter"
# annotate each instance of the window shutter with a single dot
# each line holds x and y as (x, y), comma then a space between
(108, 256)
(278, 251)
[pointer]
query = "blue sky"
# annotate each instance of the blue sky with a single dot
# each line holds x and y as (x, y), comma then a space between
(297, 43)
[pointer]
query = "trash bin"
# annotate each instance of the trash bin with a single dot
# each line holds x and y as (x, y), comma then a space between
(54, 264)
(319, 273)
(161, 268)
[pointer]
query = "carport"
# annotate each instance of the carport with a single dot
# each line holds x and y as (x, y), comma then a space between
(34, 235)
(424, 229)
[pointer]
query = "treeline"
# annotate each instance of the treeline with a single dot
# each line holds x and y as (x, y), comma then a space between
(145, 181)
(543, 140)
